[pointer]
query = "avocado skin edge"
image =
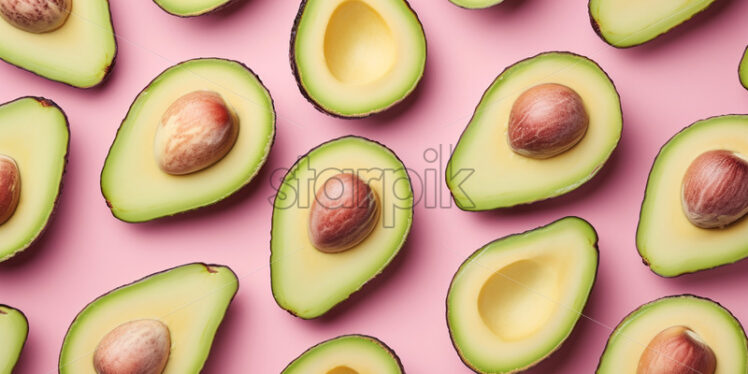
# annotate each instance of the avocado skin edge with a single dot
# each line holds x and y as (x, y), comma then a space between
(264, 161)
(207, 268)
(743, 81)
(596, 27)
(374, 276)
(645, 260)
(476, 8)
(209, 11)
(26, 337)
(592, 288)
(297, 75)
(607, 342)
(46, 103)
(373, 339)
(477, 107)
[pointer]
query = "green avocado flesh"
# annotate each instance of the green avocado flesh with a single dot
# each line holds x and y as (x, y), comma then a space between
(79, 53)
(191, 300)
(743, 69)
(190, 8)
(134, 186)
(476, 4)
(308, 282)
(713, 324)
(666, 239)
(625, 23)
(353, 58)
(348, 354)
(14, 328)
(485, 173)
(34, 132)
(514, 301)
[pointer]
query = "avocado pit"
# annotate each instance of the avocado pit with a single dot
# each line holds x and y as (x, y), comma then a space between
(10, 187)
(547, 120)
(342, 370)
(135, 347)
(715, 189)
(344, 213)
(196, 131)
(677, 350)
(36, 16)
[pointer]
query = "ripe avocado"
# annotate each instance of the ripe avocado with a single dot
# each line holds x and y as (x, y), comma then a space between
(137, 190)
(623, 24)
(743, 69)
(41, 163)
(356, 58)
(711, 323)
(485, 173)
(667, 241)
(345, 355)
(14, 329)
(191, 8)
(79, 53)
(308, 282)
(476, 4)
(515, 301)
(191, 300)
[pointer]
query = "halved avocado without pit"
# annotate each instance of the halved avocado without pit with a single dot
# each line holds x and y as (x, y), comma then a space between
(667, 241)
(484, 172)
(623, 23)
(743, 69)
(14, 329)
(191, 8)
(34, 134)
(515, 301)
(308, 282)
(80, 52)
(190, 300)
(354, 58)
(706, 321)
(133, 184)
(476, 4)
(347, 354)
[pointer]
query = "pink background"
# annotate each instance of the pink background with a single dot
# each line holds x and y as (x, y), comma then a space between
(665, 85)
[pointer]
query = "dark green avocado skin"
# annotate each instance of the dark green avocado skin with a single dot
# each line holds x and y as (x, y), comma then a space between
(216, 9)
(375, 276)
(375, 340)
(645, 261)
(25, 338)
(744, 83)
(207, 267)
(654, 301)
(272, 141)
(446, 300)
(297, 76)
(596, 27)
(47, 103)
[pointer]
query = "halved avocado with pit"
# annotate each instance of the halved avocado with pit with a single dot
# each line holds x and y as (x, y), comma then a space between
(667, 241)
(14, 329)
(191, 300)
(476, 4)
(34, 133)
(708, 321)
(743, 69)
(135, 187)
(354, 58)
(191, 8)
(79, 53)
(623, 23)
(485, 173)
(347, 354)
(308, 282)
(515, 301)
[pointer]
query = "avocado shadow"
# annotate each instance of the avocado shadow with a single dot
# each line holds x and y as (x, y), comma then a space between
(230, 9)
(735, 273)
(226, 337)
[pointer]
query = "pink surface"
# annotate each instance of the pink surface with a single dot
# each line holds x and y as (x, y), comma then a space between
(665, 85)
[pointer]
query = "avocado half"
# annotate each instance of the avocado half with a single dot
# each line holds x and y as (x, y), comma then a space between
(485, 173)
(714, 324)
(623, 24)
(191, 8)
(345, 355)
(354, 58)
(14, 330)
(41, 161)
(667, 241)
(191, 300)
(307, 282)
(743, 69)
(515, 301)
(132, 183)
(476, 4)
(80, 53)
